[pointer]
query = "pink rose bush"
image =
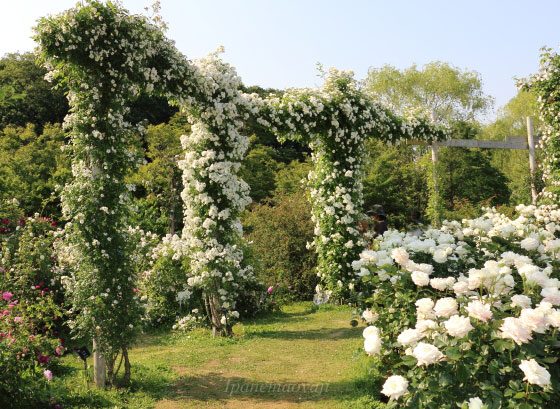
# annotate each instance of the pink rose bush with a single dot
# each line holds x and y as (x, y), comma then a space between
(468, 315)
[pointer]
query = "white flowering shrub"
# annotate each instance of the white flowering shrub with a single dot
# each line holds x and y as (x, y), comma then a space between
(482, 335)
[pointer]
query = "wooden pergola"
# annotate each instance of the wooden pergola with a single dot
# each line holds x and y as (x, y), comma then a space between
(529, 142)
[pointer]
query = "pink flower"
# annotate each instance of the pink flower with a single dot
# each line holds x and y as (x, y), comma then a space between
(59, 350)
(48, 374)
(136, 290)
(270, 289)
(17, 319)
(7, 296)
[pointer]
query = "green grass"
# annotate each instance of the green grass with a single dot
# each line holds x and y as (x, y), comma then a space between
(267, 364)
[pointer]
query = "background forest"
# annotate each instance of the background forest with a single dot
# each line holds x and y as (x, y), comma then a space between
(277, 224)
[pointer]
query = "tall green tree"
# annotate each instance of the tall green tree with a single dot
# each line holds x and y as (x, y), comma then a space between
(38, 103)
(31, 165)
(158, 181)
(511, 120)
(451, 93)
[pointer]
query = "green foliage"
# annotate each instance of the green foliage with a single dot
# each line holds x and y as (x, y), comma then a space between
(279, 231)
(159, 184)
(451, 93)
(259, 169)
(512, 162)
(396, 179)
(31, 166)
(292, 177)
(28, 97)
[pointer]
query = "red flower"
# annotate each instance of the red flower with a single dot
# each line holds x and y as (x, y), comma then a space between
(43, 359)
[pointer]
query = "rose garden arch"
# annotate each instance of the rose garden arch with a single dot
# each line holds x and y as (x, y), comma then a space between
(106, 57)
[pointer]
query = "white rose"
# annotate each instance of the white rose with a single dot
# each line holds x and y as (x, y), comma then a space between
(409, 336)
(439, 284)
(400, 255)
(395, 386)
(370, 331)
(551, 295)
(458, 326)
(420, 278)
(369, 316)
(426, 354)
(477, 309)
(534, 319)
(424, 308)
(534, 373)
(445, 307)
(372, 344)
(475, 403)
(515, 329)
(529, 244)
(521, 301)
(424, 325)
(554, 318)
(460, 287)
(440, 256)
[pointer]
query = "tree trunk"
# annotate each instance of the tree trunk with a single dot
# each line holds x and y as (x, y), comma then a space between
(126, 379)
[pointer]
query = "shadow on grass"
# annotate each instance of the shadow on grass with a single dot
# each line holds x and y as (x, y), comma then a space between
(311, 334)
(214, 388)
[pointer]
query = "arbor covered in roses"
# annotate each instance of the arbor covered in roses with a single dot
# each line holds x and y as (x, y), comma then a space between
(336, 119)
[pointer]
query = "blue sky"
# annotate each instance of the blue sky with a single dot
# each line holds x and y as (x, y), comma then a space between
(278, 43)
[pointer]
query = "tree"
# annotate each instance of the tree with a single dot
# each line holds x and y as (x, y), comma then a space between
(514, 164)
(451, 93)
(396, 179)
(31, 165)
(38, 103)
(159, 180)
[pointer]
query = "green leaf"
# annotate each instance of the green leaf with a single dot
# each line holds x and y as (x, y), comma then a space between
(409, 360)
(453, 353)
(519, 395)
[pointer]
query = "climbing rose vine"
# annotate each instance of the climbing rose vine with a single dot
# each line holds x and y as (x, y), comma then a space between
(214, 195)
(545, 85)
(335, 119)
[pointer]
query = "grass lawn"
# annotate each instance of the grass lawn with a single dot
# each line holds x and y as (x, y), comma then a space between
(294, 358)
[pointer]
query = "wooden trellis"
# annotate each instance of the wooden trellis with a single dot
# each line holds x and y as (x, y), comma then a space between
(528, 142)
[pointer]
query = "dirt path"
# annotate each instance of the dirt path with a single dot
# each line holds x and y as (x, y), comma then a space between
(297, 359)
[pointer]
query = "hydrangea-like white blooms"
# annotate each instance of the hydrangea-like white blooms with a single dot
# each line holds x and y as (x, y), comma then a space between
(458, 326)
(534, 373)
(395, 386)
(426, 354)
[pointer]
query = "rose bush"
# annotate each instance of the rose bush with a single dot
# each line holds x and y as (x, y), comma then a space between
(481, 329)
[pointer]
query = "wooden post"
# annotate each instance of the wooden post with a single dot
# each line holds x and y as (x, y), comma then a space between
(434, 173)
(98, 367)
(532, 161)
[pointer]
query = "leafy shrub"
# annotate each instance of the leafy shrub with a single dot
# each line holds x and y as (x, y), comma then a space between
(279, 231)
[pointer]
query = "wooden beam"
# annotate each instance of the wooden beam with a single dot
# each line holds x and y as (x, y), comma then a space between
(475, 143)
